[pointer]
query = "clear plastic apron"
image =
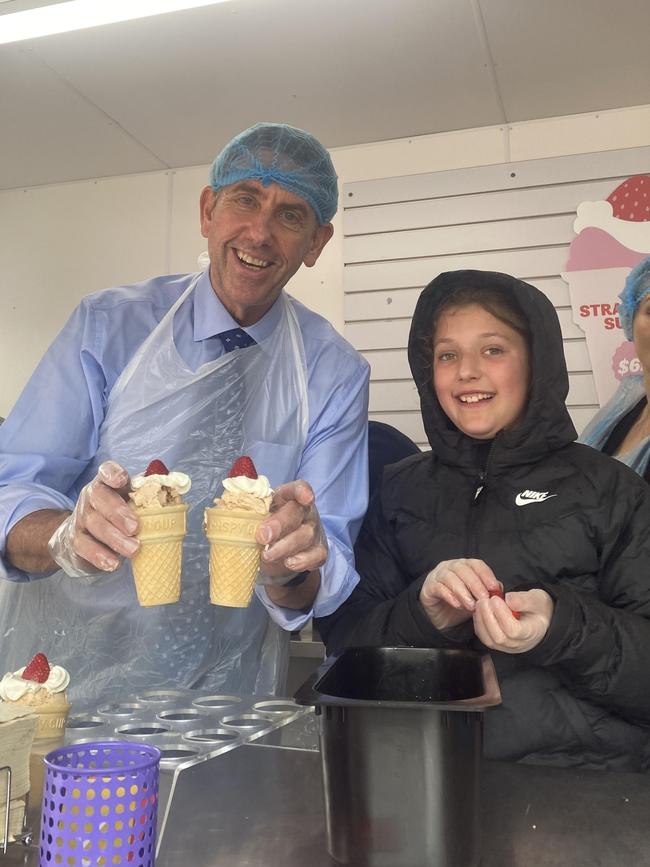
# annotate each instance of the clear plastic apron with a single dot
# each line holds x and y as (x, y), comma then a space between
(251, 401)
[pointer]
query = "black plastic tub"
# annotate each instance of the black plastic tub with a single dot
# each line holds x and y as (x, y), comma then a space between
(401, 740)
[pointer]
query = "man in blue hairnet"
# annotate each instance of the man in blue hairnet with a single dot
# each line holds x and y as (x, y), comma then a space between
(194, 370)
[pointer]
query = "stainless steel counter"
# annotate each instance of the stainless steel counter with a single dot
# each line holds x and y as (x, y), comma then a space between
(260, 805)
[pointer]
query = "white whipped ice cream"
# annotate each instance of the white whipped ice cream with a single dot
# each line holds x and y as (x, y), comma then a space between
(242, 493)
(13, 687)
(258, 487)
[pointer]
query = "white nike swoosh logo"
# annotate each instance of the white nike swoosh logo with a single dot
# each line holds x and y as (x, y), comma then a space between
(525, 501)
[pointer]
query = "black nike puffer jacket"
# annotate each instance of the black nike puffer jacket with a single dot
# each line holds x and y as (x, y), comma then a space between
(551, 514)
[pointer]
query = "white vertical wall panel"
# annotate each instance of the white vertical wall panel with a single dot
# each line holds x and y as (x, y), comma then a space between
(400, 233)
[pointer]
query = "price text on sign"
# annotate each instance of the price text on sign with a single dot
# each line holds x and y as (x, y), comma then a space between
(625, 366)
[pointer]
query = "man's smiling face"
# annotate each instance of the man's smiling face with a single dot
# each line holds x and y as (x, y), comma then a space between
(257, 239)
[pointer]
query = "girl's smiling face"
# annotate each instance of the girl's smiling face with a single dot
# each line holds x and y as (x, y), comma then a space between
(481, 371)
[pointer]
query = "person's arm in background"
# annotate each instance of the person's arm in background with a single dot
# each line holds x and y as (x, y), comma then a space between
(335, 464)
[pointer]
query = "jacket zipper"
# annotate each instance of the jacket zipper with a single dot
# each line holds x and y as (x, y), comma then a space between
(477, 506)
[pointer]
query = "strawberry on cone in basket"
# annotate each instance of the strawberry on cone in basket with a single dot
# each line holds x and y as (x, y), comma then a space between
(157, 500)
(230, 526)
(41, 688)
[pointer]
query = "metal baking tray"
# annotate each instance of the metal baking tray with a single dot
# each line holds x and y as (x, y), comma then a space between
(187, 726)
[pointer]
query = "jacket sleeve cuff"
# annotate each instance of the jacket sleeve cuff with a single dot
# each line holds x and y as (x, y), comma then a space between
(550, 648)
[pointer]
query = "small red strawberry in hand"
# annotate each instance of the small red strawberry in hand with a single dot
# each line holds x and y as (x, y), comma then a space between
(156, 468)
(38, 669)
(243, 466)
(499, 592)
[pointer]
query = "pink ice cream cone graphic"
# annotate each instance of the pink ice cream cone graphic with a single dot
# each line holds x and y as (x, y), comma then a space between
(612, 236)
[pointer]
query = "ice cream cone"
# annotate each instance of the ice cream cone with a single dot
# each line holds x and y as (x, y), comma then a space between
(157, 564)
(51, 721)
(234, 555)
(52, 712)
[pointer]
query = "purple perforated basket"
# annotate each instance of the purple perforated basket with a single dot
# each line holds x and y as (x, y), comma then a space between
(100, 803)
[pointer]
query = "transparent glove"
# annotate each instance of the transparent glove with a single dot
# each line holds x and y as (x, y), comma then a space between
(101, 529)
(293, 537)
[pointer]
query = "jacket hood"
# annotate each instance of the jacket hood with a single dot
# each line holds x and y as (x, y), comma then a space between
(546, 425)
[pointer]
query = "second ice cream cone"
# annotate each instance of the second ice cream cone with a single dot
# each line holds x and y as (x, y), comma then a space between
(234, 555)
(157, 564)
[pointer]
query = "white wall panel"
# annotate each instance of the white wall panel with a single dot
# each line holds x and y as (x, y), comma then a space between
(505, 176)
(469, 238)
(483, 207)
(60, 243)
(526, 264)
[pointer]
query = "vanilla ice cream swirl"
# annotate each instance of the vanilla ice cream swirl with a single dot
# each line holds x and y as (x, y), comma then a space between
(13, 687)
(179, 483)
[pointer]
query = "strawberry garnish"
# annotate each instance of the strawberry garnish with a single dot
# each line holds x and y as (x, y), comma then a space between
(499, 592)
(156, 468)
(243, 466)
(38, 669)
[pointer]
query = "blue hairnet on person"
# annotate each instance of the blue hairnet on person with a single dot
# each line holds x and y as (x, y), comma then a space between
(281, 154)
(636, 288)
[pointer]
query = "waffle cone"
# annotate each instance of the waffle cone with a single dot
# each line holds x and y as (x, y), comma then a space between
(52, 714)
(157, 564)
(51, 721)
(234, 555)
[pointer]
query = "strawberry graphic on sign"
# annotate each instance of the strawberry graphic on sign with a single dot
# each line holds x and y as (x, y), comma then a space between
(612, 236)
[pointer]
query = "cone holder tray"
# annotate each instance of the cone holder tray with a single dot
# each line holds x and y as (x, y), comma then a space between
(187, 726)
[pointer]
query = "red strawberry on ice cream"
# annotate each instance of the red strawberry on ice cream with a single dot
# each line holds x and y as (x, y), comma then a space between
(156, 468)
(38, 669)
(243, 466)
(42, 688)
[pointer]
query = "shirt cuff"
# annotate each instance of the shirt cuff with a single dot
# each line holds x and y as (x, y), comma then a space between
(337, 581)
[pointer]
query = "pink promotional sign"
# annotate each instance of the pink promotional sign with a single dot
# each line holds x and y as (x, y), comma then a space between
(612, 236)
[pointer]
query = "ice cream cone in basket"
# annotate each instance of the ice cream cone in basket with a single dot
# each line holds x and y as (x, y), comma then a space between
(157, 564)
(234, 555)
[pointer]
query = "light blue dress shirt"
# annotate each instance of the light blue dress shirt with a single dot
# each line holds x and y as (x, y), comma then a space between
(52, 434)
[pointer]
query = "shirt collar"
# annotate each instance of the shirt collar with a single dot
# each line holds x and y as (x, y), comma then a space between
(211, 317)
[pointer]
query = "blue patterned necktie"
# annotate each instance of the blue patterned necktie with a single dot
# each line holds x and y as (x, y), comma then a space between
(232, 399)
(235, 338)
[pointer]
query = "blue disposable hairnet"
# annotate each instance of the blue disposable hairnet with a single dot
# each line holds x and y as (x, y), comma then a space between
(636, 288)
(281, 154)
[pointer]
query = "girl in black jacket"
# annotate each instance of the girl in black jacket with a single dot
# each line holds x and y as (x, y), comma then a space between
(506, 500)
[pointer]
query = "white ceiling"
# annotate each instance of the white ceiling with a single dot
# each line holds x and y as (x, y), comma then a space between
(166, 92)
